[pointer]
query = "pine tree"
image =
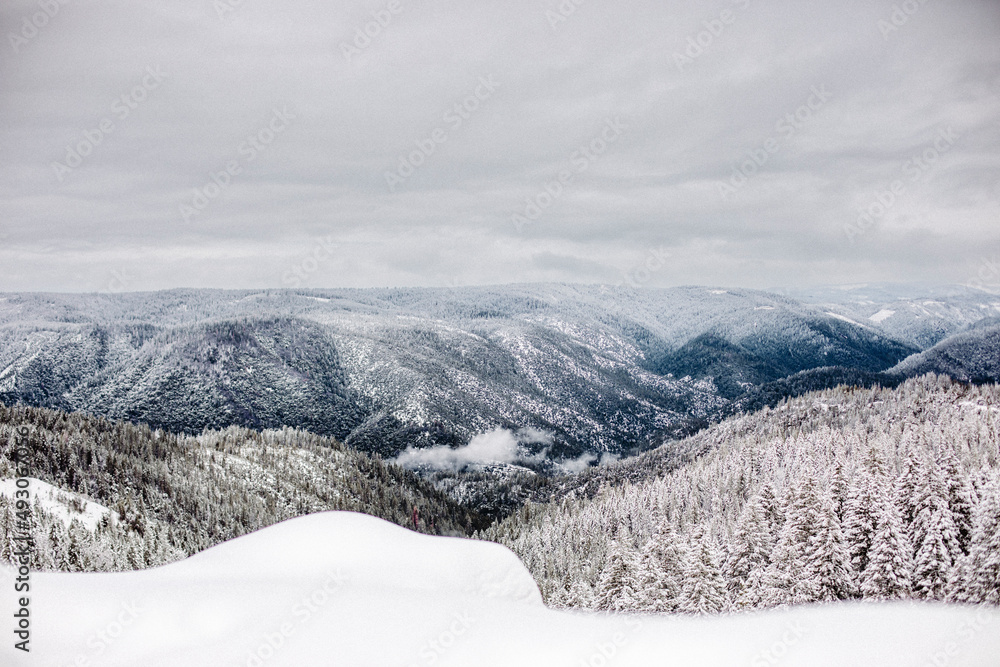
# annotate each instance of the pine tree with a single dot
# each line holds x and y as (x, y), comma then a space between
(750, 556)
(859, 511)
(774, 511)
(580, 595)
(704, 589)
(827, 560)
(906, 485)
(839, 489)
(958, 498)
(889, 574)
(8, 527)
(933, 534)
(619, 588)
(662, 568)
(983, 562)
(59, 546)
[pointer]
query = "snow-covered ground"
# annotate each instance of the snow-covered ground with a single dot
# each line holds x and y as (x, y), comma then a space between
(60, 503)
(340, 588)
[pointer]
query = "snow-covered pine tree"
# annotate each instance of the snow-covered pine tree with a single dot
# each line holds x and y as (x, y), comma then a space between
(905, 489)
(704, 589)
(839, 489)
(619, 588)
(957, 496)
(774, 511)
(827, 561)
(983, 562)
(580, 595)
(889, 574)
(859, 511)
(933, 534)
(8, 527)
(750, 555)
(58, 546)
(662, 563)
(784, 580)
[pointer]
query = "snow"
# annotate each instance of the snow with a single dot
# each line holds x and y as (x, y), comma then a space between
(57, 501)
(842, 318)
(348, 589)
(881, 315)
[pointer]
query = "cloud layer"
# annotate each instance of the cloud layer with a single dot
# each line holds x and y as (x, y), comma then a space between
(496, 446)
(269, 144)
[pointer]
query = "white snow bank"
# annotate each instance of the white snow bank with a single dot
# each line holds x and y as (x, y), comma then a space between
(346, 589)
(373, 553)
(59, 502)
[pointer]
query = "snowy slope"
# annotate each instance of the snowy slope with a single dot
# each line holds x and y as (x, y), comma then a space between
(335, 589)
(66, 505)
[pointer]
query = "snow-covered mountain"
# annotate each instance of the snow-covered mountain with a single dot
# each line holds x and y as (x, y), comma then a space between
(592, 369)
(970, 356)
(920, 315)
(332, 588)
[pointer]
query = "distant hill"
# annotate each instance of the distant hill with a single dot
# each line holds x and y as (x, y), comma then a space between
(595, 369)
(919, 315)
(970, 356)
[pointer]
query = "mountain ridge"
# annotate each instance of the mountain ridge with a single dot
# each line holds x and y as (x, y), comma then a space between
(603, 369)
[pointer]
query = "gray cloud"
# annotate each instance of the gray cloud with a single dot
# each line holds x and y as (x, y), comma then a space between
(355, 111)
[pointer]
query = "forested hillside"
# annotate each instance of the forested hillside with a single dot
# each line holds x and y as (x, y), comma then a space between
(970, 356)
(170, 496)
(601, 369)
(847, 493)
(921, 315)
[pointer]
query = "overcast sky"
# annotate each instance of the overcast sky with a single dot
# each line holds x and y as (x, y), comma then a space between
(458, 143)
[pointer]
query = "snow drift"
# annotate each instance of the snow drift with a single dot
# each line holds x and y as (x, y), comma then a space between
(340, 588)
